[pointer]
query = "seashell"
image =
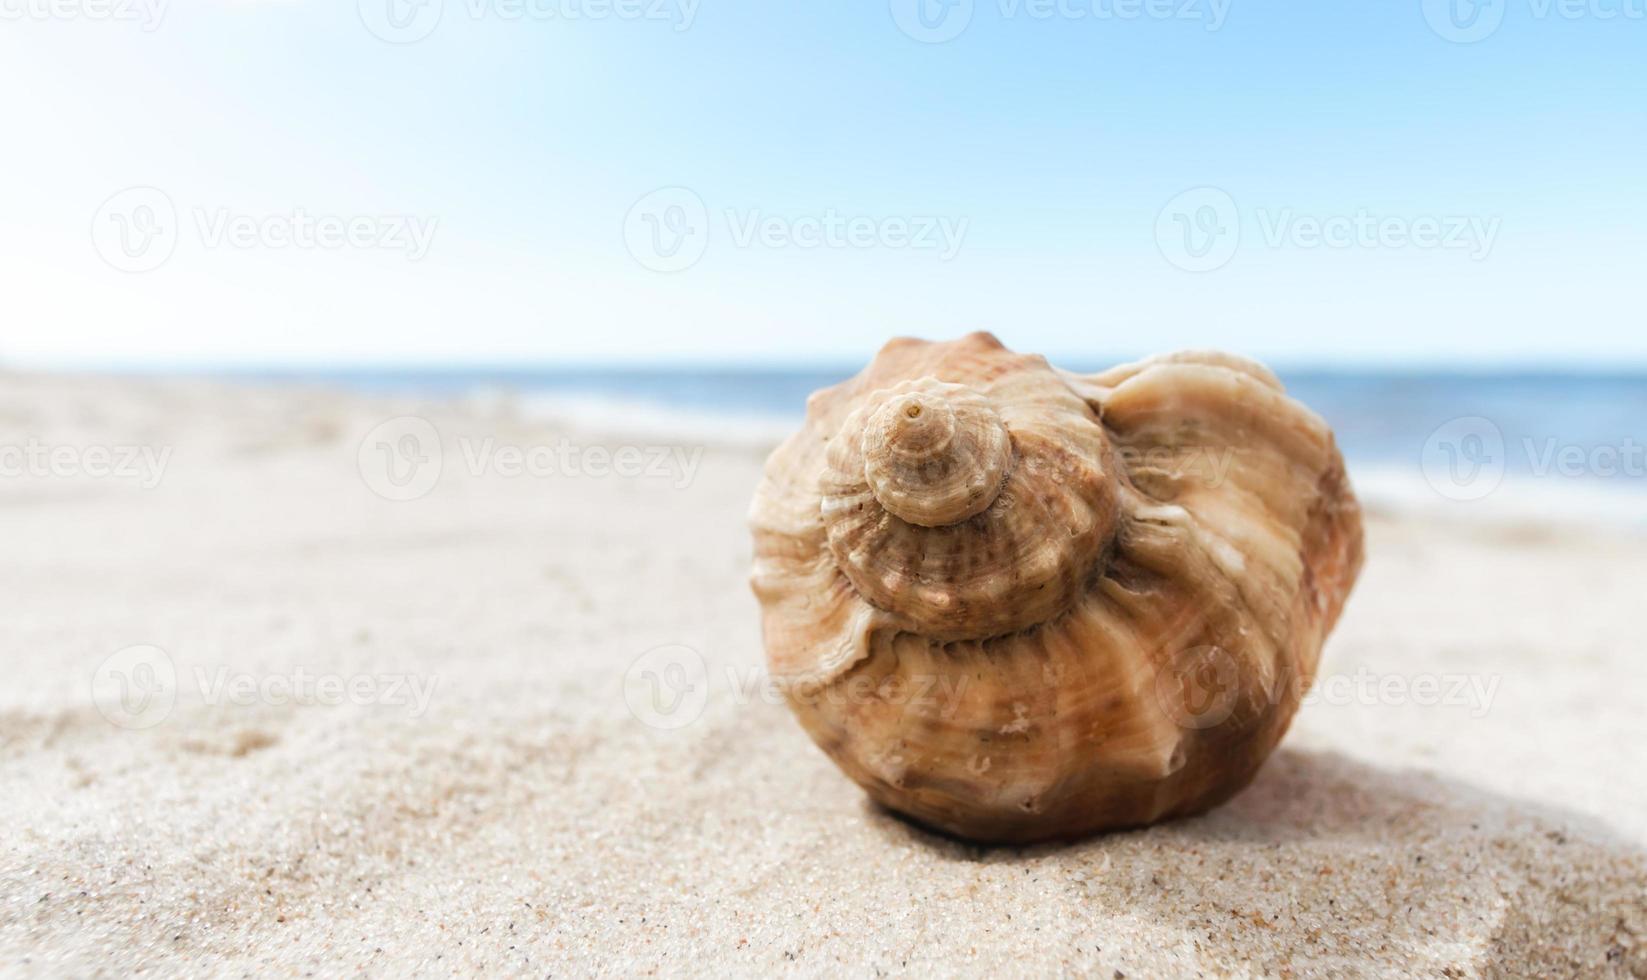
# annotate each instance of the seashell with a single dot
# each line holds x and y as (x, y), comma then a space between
(1015, 603)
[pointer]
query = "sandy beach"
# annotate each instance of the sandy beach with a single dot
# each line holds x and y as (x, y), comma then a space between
(260, 717)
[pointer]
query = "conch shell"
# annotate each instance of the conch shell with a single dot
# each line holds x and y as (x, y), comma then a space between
(1015, 603)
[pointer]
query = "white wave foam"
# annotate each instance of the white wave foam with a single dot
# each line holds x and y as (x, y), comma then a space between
(1519, 499)
(639, 419)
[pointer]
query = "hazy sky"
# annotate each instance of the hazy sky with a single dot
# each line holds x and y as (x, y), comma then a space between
(501, 180)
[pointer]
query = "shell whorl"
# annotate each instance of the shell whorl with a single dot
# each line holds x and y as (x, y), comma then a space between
(935, 454)
(963, 512)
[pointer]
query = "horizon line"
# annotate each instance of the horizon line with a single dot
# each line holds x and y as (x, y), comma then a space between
(504, 365)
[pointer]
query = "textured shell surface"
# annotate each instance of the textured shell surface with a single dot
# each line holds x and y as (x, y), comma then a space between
(1015, 603)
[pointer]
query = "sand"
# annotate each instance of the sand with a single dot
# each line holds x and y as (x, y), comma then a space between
(404, 735)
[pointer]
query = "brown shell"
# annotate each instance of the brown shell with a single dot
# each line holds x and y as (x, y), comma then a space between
(1016, 603)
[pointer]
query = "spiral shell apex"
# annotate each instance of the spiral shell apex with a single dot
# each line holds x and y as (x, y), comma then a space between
(1015, 603)
(934, 454)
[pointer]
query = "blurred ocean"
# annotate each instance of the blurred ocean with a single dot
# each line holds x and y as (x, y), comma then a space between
(1530, 444)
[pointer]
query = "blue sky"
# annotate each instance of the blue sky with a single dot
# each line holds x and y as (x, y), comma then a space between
(749, 180)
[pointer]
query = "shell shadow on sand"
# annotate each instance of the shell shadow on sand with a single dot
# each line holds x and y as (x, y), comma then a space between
(1363, 866)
